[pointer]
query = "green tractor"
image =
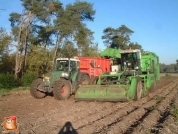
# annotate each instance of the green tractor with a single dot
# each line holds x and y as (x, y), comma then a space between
(132, 74)
(62, 81)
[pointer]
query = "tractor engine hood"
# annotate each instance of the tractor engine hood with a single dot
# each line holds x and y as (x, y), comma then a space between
(54, 76)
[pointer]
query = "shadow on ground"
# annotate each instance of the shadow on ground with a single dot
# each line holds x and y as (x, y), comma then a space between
(68, 129)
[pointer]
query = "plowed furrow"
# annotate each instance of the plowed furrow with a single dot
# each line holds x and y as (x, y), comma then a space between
(168, 125)
(148, 122)
(154, 116)
(49, 116)
(57, 121)
(90, 119)
(42, 119)
(115, 117)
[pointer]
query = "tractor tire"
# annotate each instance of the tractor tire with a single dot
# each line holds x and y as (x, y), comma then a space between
(85, 79)
(94, 80)
(34, 91)
(139, 89)
(62, 89)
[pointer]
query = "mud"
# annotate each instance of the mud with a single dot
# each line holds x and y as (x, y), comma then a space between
(151, 114)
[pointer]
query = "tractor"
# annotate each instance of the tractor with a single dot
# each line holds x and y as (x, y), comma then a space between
(133, 74)
(68, 74)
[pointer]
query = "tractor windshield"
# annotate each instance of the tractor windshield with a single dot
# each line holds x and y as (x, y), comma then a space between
(130, 61)
(63, 65)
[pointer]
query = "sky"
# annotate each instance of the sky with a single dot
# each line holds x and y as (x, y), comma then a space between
(154, 22)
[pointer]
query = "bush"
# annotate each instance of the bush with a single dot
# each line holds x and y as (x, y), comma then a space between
(27, 78)
(7, 81)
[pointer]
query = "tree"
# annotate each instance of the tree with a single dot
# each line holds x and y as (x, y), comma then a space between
(67, 50)
(47, 23)
(70, 25)
(39, 60)
(20, 27)
(5, 41)
(135, 46)
(117, 38)
(5, 44)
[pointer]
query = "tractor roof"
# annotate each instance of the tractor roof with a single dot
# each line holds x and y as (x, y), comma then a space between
(130, 51)
(71, 59)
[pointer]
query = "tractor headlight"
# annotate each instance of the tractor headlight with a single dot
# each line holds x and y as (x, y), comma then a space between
(136, 68)
(129, 64)
(46, 78)
(64, 74)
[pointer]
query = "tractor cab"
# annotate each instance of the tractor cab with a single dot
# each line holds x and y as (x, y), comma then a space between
(67, 66)
(130, 60)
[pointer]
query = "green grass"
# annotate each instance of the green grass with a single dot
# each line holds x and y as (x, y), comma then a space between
(4, 92)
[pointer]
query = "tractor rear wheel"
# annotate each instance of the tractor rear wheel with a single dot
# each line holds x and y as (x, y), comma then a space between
(85, 79)
(139, 89)
(62, 89)
(34, 89)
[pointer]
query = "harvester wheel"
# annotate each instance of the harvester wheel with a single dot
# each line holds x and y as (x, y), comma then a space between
(34, 89)
(85, 79)
(61, 90)
(139, 89)
(153, 87)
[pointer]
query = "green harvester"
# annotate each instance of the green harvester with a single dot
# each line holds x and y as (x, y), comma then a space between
(133, 74)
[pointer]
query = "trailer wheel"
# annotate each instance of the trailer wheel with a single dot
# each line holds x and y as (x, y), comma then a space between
(94, 80)
(34, 89)
(139, 89)
(85, 79)
(61, 89)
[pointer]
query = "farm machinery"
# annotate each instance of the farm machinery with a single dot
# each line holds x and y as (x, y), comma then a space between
(68, 74)
(132, 74)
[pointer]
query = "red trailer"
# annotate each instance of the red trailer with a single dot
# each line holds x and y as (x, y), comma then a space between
(94, 66)
(90, 67)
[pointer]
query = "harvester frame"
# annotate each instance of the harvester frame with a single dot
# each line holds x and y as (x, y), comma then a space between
(131, 81)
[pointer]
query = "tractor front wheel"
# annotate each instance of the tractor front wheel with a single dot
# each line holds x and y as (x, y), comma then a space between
(62, 90)
(37, 84)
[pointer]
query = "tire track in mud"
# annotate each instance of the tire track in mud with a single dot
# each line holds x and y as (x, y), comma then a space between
(99, 125)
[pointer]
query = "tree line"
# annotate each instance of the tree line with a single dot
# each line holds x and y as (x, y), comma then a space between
(171, 68)
(47, 29)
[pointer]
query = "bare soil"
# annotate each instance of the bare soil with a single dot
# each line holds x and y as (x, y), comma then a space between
(151, 114)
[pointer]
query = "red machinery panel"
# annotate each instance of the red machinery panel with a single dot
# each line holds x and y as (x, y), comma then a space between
(94, 66)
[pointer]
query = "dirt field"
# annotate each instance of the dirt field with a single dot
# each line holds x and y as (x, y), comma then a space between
(49, 116)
